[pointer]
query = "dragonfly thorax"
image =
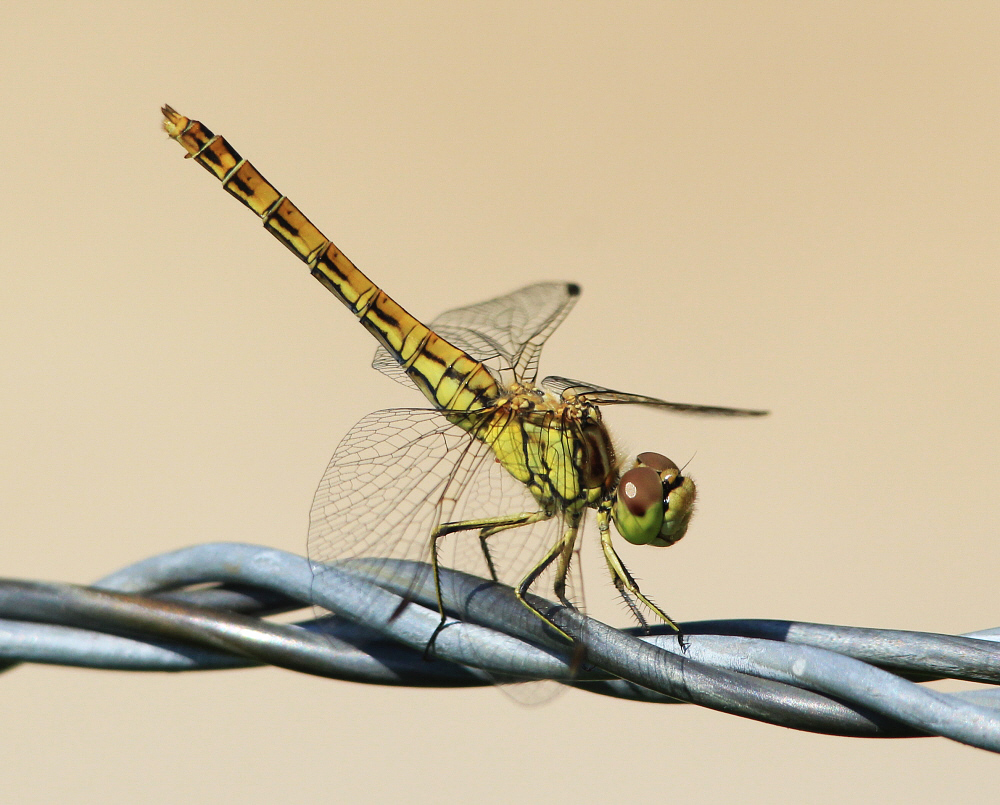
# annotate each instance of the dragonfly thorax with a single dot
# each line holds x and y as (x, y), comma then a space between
(560, 449)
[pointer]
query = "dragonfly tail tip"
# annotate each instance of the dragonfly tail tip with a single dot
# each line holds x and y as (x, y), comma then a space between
(173, 121)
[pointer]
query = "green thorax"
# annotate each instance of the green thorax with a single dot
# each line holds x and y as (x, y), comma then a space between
(559, 449)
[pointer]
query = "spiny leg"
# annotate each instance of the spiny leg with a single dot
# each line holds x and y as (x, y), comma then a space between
(633, 607)
(562, 548)
(487, 556)
(625, 595)
(563, 566)
(559, 586)
(490, 530)
(487, 526)
(623, 580)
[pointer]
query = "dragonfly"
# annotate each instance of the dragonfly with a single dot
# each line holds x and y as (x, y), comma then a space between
(511, 464)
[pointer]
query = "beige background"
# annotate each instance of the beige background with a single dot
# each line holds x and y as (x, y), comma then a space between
(790, 206)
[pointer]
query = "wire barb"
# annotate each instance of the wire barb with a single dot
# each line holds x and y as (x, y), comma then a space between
(828, 679)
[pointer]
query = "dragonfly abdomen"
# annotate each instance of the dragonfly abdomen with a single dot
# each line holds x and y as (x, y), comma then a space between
(446, 375)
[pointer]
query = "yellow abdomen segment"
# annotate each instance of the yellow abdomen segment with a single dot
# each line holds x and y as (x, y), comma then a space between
(448, 377)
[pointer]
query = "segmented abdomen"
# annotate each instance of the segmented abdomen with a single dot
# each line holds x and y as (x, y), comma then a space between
(448, 376)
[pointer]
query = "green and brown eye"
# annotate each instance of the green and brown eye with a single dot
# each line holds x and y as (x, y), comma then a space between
(663, 466)
(656, 461)
(640, 488)
(638, 508)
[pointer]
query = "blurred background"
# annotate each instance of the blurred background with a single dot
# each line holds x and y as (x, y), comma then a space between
(777, 205)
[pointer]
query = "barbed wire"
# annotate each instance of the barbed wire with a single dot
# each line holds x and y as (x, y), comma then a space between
(830, 679)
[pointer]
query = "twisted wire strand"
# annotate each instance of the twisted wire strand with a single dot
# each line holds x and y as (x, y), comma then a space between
(829, 679)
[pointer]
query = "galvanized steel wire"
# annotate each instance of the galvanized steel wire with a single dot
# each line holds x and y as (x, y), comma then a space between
(829, 679)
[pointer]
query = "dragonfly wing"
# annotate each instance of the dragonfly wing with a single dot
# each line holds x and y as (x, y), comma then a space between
(506, 334)
(398, 474)
(599, 395)
(389, 483)
(390, 367)
(567, 387)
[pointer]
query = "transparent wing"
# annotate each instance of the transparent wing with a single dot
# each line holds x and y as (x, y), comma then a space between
(599, 395)
(506, 333)
(398, 474)
(387, 485)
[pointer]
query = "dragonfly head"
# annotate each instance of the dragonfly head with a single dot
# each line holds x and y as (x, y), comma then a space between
(653, 502)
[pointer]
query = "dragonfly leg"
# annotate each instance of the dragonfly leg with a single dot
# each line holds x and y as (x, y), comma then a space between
(487, 555)
(487, 527)
(488, 531)
(625, 584)
(563, 551)
(562, 568)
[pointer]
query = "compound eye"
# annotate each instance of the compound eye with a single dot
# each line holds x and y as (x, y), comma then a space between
(638, 508)
(640, 489)
(668, 471)
(657, 462)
